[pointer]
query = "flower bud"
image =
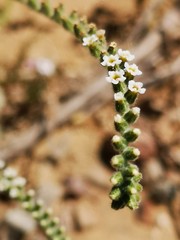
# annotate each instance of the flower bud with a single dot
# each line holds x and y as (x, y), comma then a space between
(119, 143)
(120, 87)
(57, 15)
(67, 24)
(14, 193)
(134, 201)
(137, 177)
(95, 50)
(117, 178)
(112, 48)
(120, 103)
(117, 161)
(120, 124)
(132, 134)
(92, 29)
(131, 153)
(46, 9)
(115, 193)
(131, 96)
(78, 31)
(131, 170)
(132, 115)
(34, 4)
(134, 188)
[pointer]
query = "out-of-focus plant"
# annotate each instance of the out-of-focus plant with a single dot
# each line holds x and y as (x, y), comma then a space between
(14, 186)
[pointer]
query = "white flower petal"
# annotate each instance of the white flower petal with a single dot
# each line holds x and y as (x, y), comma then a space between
(136, 87)
(89, 40)
(125, 55)
(111, 60)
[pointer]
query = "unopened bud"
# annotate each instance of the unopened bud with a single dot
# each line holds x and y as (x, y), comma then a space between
(131, 153)
(115, 193)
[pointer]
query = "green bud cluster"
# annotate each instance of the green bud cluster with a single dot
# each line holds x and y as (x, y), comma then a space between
(126, 187)
(14, 186)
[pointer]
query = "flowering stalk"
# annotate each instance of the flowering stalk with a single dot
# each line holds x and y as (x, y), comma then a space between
(125, 181)
(14, 185)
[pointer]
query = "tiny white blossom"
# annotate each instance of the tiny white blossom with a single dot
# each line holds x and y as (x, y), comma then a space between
(14, 193)
(100, 34)
(87, 41)
(111, 60)
(132, 69)
(10, 172)
(31, 193)
(136, 87)
(118, 96)
(19, 182)
(125, 55)
(116, 76)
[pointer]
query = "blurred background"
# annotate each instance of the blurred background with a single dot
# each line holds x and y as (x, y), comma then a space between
(56, 112)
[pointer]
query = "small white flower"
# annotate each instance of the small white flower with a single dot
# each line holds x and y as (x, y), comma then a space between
(132, 69)
(116, 76)
(31, 193)
(111, 60)
(87, 41)
(14, 193)
(4, 184)
(100, 34)
(125, 55)
(19, 182)
(136, 87)
(10, 173)
(118, 96)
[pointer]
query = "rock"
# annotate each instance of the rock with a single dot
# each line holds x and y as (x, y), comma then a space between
(19, 222)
